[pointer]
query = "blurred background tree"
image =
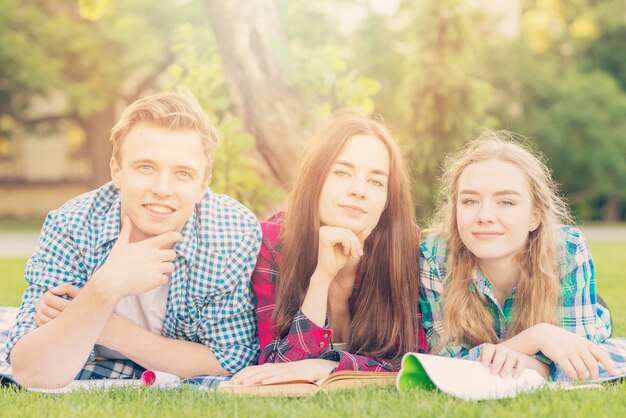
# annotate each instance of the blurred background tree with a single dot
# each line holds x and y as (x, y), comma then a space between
(439, 71)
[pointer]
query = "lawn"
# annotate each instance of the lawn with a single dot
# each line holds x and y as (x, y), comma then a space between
(608, 401)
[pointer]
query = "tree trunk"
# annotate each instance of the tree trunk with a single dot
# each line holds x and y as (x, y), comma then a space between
(612, 208)
(249, 38)
(97, 129)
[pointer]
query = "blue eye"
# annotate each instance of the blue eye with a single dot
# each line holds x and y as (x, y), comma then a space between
(340, 173)
(376, 182)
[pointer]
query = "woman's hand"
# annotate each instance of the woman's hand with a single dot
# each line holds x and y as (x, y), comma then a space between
(336, 246)
(502, 361)
(53, 302)
(310, 369)
(577, 356)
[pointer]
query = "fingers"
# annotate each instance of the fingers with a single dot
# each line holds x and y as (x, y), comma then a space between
(65, 289)
(590, 366)
(167, 255)
(254, 374)
(511, 360)
(497, 362)
(165, 240)
(603, 358)
(351, 246)
(520, 365)
(40, 317)
(486, 354)
(166, 268)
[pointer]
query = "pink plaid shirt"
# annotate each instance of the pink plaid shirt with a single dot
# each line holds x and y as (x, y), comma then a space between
(305, 339)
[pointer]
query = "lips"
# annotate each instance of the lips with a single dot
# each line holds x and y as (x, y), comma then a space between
(355, 210)
(158, 209)
(487, 234)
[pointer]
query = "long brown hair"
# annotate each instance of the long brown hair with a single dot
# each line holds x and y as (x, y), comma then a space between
(466, 318)
(385, 314)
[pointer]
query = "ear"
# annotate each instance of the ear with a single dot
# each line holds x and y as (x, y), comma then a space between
(535, 221)
(116, 172)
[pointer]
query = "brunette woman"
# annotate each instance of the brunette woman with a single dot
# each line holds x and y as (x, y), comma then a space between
(337, 277)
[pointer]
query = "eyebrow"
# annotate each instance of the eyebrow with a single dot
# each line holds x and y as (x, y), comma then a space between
(498, 193)
(178, 167)
(350, 165)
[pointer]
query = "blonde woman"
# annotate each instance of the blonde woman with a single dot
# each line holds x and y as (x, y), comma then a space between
(504, 280)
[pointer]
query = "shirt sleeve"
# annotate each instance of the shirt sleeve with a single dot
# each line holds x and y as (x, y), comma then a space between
(432, 276)
(56, 260)
(579, 311)
(228, 325)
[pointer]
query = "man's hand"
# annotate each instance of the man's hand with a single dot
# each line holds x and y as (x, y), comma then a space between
(135, 268)
(53, 302)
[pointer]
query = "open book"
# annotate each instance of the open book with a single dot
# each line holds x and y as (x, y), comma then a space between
(345, 379)
(466, 379)
(470, 380)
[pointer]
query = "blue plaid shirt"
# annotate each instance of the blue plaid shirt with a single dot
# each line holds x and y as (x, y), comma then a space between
(578, 311)
(209, 300)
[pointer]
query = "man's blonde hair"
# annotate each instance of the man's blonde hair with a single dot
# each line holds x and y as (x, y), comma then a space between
(175, 111)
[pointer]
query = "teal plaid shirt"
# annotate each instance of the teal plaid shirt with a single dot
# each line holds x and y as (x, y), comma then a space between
(209, 300)
(578, 311)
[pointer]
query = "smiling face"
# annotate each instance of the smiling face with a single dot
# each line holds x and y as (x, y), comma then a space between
(494, 210)
(354, 193)
(161, 177)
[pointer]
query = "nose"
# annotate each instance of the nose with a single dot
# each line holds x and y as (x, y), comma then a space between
(162, 185)
(358, 188)
(485, 213)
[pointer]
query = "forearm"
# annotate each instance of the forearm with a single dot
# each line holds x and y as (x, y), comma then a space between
(181, 358)
(526, 342)
(51, 355)
(315, 301)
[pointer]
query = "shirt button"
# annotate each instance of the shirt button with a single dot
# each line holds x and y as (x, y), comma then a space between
(322, 344)
(325, 335)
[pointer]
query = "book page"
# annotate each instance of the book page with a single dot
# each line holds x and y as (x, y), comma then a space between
(465, 379)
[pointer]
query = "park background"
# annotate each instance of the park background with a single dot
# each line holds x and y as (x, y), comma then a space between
(266, 71)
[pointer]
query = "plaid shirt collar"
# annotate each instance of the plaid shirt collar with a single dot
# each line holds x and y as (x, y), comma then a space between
(108, 227)
(481, 284)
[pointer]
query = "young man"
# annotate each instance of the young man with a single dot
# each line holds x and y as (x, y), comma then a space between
(150, 271)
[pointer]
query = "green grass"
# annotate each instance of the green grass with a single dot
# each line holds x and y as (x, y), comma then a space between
(609, 401)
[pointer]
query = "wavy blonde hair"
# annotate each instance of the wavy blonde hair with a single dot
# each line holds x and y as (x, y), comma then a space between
(466, 318)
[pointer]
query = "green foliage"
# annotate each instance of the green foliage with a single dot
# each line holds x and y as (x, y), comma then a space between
(92, 9)
(319, 69)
